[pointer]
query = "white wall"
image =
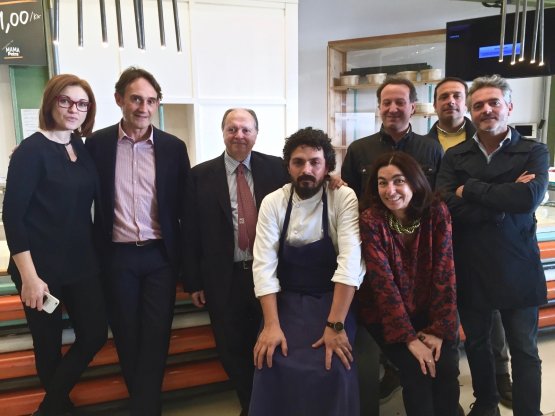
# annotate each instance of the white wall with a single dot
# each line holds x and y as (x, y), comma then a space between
(236, 53)
(323, 20)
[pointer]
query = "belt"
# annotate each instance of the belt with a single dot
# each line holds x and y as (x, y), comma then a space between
(243, 265)
(141, 243)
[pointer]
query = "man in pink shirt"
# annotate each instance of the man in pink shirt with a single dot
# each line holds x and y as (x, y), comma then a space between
(142, 175)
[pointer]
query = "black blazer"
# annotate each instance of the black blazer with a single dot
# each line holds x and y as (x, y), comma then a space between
(497, 258)
(210, 246)
(172, 168)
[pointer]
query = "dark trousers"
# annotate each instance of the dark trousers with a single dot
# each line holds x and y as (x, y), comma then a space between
(422, 394)
(367, 356)
(141, 298)
(84, 302)
(236, 332)
(521, 330)
(499, 345)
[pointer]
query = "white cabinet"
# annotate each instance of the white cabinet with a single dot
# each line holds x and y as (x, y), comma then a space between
(236, 53)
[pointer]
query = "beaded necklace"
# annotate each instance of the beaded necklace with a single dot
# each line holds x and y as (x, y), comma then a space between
(395, 225)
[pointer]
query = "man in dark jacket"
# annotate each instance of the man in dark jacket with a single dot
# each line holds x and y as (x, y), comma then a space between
(493, 185)
(218, 269)
(452, 128)
(396, 101)
(142, 174)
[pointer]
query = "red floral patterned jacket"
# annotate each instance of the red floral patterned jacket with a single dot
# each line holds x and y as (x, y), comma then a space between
(407, 282)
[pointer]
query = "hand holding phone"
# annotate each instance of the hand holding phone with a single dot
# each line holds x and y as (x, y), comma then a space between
(49, 303)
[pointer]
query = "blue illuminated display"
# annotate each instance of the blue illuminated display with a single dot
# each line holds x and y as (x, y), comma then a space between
(493, 51)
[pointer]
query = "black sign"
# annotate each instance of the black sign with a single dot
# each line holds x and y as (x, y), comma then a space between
(22, 40)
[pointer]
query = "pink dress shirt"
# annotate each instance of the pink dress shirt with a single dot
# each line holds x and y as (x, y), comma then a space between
(135, 202)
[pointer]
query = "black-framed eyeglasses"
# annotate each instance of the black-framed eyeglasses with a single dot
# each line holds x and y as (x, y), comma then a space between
(65, 102)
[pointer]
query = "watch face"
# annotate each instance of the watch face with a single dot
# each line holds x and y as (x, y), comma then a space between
(336, 326)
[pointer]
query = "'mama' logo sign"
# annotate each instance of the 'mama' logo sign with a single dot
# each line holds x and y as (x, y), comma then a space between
(22, 40)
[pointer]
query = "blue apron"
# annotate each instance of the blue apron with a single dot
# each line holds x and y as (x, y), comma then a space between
(299, 384)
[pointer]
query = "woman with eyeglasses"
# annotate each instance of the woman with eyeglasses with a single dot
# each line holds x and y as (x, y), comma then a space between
(408, 298)
(50, 188)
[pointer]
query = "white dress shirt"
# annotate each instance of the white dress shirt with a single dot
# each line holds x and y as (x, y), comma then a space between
(305, 226)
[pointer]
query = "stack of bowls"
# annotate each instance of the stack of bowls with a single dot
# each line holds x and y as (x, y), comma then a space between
(410, 75)
(376, 79)
(349, 80)
(432, 74)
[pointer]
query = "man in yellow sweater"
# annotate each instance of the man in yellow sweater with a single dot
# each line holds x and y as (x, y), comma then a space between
(452, 126)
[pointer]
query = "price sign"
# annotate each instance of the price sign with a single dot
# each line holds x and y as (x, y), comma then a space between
(22, 40)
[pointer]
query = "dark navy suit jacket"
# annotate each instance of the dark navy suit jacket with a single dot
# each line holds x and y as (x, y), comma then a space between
(497, 258)
(210, 250)
(172, 168)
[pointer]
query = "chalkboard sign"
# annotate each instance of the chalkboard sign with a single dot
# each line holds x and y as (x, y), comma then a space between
(22, 40)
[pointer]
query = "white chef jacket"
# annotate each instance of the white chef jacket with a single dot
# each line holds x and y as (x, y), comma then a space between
(305, 226)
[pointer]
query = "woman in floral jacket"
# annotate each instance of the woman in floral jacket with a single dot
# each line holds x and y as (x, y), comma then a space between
(408, 299)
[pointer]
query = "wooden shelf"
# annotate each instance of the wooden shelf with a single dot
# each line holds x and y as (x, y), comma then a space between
(389, 41)
(339, 100)
(378, 116)
(342, 88)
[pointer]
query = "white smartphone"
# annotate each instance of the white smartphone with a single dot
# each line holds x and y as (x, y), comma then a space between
(49, 303)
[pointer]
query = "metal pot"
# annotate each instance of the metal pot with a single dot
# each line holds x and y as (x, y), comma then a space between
(376, 79)
(432, 74)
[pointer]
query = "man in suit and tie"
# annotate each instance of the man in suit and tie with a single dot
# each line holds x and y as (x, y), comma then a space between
(219, 262)
(143, 173)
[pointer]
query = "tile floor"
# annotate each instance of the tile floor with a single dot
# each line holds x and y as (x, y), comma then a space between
(225, 403)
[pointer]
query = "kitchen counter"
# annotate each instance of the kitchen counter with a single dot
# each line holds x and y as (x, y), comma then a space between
(545, 214)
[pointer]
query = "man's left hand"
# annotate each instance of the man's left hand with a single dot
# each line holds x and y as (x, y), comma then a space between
(525, 177)
(338, 343)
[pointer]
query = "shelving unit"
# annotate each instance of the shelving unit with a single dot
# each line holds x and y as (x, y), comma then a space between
(378, 51)
(341, 88)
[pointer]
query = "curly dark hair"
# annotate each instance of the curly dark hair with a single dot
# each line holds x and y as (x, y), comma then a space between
(310, 137)
(422, 194)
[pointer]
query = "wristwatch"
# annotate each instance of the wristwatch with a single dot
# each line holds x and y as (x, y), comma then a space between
(336, 326)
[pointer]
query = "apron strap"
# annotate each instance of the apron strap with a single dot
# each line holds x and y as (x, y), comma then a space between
(288, 215)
